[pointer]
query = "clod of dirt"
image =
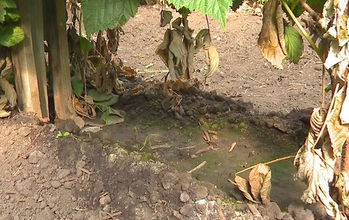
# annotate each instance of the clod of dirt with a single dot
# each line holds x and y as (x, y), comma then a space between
(35, 156)
(299, 213)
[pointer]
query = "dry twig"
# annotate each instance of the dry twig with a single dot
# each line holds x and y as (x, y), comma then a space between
(197, 167)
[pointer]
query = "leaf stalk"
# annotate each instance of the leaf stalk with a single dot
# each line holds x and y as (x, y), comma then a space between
(302, 30)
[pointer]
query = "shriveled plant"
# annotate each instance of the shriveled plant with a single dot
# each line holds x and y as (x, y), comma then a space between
(322, 161)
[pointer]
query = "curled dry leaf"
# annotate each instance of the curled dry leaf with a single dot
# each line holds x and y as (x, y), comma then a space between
(271, 38)
(10, 92)
(260, 182)
(244, 187)
(7, 70)
(212, 60)
(166, 17)
(85, 110)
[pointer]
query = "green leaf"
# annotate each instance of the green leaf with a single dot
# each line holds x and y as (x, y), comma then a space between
(293, 43)
(85, 45)
(8, 3)
(11, 35)
(112, 111)
(111, 119)
(217, 9)
(66, 134)
(99, 96)
(12, 14)
(104, 14)
(113, 99)
(78, 86)
(2, 15)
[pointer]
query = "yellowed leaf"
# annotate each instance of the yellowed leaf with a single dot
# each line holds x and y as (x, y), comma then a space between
(271, 38)
(260, 182)
(212, 60)
(243, 186)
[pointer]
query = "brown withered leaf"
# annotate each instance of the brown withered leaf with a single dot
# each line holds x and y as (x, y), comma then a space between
(244, 187)
(84, 109)
(166, 17)
(10, 92)
(163, 49)
(337, 131)
(271, 38)
(212, 60)
(177, 48)
(7, 70)
(260, 182)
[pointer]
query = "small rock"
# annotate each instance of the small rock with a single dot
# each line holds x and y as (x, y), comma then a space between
(24, 131)
(55, 184)
(201, 206)
(104, 200)
(177, 214)
(188, 210)
(45, 214)
(68, 184)
(184, 197)
(35, 156)
(299, 213)
(199, 192)
(80, 164)
(168, 180)
(43, 205)
(63, 173)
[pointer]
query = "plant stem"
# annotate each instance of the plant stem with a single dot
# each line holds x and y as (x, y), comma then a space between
(302, 30)
(266, 163)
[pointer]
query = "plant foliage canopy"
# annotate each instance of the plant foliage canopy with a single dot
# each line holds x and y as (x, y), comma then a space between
(217, 9)
(103, 14)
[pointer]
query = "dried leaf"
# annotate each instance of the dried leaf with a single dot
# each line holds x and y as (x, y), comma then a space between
(8, 68)
(166, 17)
(260, 182)
(4, 114)
(212, 60)
(338, 132)
(344, 114)
(3, 101)
(163, 49)
(179, 52)
(130, 72)
(10, 92)
(271, 38)
(244, 187)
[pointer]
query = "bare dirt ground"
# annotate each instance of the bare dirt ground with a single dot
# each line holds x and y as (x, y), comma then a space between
(138, 169)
